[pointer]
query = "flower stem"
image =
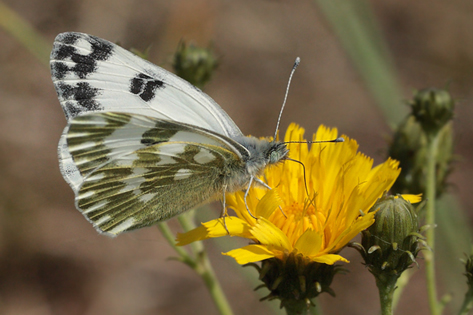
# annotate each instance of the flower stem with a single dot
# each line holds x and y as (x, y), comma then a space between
(205, 270)
(199, 262)
(386, 287)
(296, 307)
(187, 223)
(467, 303)
(169, 236)
(401, 285)
(316, 310)
(430, 195)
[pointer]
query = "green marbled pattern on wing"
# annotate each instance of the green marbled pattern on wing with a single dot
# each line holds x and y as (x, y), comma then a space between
(139, 170)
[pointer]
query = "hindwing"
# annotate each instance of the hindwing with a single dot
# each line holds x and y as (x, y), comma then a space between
(138, 170)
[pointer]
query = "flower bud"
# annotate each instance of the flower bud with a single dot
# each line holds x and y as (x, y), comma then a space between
(194, 64)
(432, 108)
(468, 299)
(409, 147)
(469, 270)
(391, 244)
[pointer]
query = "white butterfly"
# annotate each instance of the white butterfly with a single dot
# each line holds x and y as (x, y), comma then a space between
(142, 145)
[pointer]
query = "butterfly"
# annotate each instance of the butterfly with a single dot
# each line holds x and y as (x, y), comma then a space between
(142, 145)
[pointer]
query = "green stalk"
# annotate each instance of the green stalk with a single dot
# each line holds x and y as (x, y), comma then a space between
(467, 303)
(430, 195)
(204, 268)
(169, 236)
(452, 243)
(223, 244)
(356, 27)
(294, 307)
(401, 285)
(24, 33)
(386, 287)
(316, 310)
(200, 263)
(187, 222)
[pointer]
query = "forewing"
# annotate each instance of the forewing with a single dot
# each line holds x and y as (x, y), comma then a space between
(137, 170)
(91, 74)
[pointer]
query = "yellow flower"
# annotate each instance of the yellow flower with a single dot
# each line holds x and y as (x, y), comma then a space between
(342, 187)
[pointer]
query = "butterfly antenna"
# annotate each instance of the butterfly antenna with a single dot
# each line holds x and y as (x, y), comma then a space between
(339, 139)
(296, 63)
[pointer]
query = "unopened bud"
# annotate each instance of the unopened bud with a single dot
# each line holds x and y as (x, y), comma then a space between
(194, 64)
(432, 108)
(392, 243)
(409, 147)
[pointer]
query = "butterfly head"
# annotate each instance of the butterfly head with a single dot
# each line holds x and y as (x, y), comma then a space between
(261, 153)
(277, 152)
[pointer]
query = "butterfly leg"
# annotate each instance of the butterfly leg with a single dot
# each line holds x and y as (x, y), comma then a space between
(224, 204)
(246, 195)
(224, 209)
(259, 181)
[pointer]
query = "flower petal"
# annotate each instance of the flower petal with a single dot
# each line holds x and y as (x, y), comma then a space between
(250, 253)
(360, 224)
(270, 235)
(268, 204)
(215, 228)
(412, 198)
(329, 259)
(236, 202)
(309, 243)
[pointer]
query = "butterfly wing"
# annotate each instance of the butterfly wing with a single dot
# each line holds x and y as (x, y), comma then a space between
(91, 74)
(138, 170)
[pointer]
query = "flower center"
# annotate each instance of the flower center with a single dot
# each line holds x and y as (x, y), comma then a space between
(299, 218)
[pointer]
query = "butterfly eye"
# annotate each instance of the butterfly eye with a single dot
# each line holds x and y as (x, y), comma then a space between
(274, 157)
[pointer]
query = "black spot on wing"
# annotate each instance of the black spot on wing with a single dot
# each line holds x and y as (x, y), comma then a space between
(83, 65)
(70, 38)
(59, 70)
(64, 51)
(145, 86)
(71, 110)
(101, 49)
(82, 93)
(71, 55)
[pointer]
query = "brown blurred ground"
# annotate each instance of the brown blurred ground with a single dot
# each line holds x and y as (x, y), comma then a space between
(51, 259)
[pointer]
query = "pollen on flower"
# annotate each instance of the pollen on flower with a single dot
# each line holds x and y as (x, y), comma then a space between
(296, 218)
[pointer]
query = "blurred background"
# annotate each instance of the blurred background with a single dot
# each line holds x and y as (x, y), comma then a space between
(360, 63)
